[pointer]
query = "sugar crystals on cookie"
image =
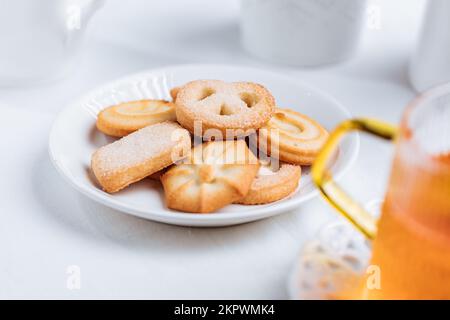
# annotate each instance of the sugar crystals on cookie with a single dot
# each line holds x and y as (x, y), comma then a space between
(139, 155)
(216, 174)
(292, 137)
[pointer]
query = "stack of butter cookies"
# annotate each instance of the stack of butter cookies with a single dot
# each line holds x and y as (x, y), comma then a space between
(215, 144)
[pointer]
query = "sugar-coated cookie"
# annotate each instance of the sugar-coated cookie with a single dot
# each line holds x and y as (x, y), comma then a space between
(272, 184)
(292, 137)
(125, 118)
(209, 108)
(213, 176)
(139, 155)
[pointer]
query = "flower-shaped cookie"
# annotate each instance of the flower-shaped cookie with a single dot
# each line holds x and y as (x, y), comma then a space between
(292, 137)
(213, 108)
(216, 174)
(125, 118)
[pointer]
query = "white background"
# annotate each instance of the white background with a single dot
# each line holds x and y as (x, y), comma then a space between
(46, 226)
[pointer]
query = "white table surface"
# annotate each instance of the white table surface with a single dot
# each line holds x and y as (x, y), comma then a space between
(46, 226)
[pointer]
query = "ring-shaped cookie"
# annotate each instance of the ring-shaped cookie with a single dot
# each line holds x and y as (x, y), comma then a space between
(272, 185)
(125, 118)
(209, 108)
(292, 137)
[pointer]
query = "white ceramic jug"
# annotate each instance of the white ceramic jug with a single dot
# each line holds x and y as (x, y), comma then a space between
(430, 64)
(39, 39)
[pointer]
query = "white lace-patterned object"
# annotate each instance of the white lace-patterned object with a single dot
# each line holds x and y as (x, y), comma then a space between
(330, 263)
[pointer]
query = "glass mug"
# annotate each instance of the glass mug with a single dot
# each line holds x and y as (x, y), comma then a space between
(411, 240)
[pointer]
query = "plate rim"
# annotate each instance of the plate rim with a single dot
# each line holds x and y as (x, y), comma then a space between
(185, 218)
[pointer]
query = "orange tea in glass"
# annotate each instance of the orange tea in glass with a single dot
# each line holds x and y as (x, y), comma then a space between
(411, 240)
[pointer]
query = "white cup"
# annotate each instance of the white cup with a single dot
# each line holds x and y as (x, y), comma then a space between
(430, 64)
(39, 39)
(302, 32)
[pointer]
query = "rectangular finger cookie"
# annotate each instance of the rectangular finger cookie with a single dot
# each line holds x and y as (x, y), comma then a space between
(139, 155)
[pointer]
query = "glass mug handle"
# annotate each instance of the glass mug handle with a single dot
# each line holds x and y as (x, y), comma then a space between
(332, 192)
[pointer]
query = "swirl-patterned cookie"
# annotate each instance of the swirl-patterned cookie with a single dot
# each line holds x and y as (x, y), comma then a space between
(273, 184)
(292, 137)
(125, 118)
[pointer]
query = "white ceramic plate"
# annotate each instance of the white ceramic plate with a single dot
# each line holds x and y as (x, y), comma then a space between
(74, 138)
